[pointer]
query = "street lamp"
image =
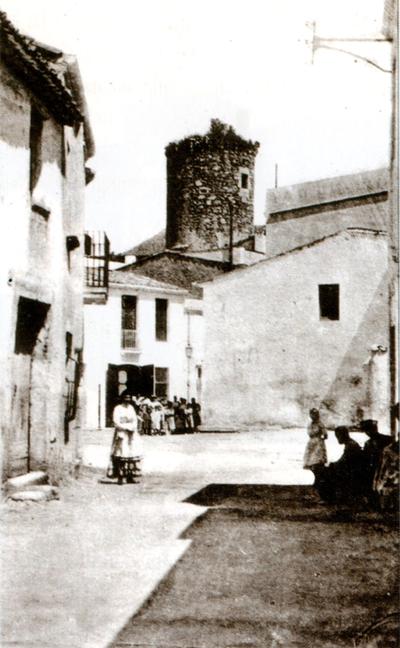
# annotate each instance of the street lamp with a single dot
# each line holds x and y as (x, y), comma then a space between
(318, 42)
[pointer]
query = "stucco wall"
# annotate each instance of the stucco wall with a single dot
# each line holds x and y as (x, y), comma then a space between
(268, 355)
(195, 338)
(103, 344)
(34, 264)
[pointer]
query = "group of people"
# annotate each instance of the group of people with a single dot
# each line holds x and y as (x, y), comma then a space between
(161, 416)
(360, 474)
(137, 415)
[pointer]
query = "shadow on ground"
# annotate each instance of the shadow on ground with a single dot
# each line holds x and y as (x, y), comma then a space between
(270, 566)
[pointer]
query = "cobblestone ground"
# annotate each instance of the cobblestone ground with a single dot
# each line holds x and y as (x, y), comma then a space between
(75, 571)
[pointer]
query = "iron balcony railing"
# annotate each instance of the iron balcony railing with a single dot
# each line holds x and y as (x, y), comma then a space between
(128, 339)
(97, 253)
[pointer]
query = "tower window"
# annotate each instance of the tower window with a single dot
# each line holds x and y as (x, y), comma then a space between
(244, 180)
(329, 301)
(244, 183)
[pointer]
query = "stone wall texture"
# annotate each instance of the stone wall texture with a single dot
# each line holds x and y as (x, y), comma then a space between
(204, 189)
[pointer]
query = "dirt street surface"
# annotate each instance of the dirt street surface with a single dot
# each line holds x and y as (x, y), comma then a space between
(223, 544)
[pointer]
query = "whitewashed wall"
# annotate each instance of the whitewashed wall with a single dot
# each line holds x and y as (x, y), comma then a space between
(103, 344)
(268, 355)
(33, 264)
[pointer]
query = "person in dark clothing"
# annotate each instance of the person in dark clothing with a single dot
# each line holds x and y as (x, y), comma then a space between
(343, 480)
(180, 417)
(373, 448)
(196, 409)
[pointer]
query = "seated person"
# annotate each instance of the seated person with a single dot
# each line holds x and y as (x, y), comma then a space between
(373, 449)
(385, 483)
(343, 480)
(386, 479)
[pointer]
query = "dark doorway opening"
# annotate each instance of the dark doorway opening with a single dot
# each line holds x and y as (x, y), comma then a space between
(31, 318)
(133, 378)
(30, 347)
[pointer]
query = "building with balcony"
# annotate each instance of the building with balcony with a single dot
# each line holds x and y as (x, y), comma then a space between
(144, 327)
(45, 141)
(146, 337)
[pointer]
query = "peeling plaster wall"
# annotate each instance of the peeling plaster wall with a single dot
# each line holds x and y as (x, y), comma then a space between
(268, 355)
(34, 264)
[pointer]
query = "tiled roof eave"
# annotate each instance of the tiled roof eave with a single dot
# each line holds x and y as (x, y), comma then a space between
(174, 290)
(382, 193)
(25, 60)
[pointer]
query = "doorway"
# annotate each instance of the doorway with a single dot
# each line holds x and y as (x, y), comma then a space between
(31, 320)
(135, 379)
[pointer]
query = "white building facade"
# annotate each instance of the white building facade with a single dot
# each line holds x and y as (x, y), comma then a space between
(307, 328)
(44, 143)
(147, 337)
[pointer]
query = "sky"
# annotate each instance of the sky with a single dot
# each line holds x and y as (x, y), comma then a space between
(160, 70)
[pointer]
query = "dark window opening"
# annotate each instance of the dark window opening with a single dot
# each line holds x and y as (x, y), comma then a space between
(128, 322)
(88, 244)
(244, 180)
(161, 319)
(64, 147)
(161, 382)
(35, 145)
(74, 372)
(68, 345)
(72, 244)
(329, 301)
(31, 318)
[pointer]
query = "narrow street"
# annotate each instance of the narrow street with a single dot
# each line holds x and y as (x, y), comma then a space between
(200, 232)
(204, 552)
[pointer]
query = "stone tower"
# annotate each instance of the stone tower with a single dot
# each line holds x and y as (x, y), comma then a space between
(210, 189)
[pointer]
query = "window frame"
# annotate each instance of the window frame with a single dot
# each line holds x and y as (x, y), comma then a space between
(161, 382)
(329, 302)
(161, 327)
(128, 341)
(244, 172)
(244, 176)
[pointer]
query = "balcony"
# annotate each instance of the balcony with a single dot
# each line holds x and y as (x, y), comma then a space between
(128, 340)
(97, 253)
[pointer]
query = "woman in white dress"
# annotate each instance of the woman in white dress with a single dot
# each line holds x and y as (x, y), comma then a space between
(127, 449)
(315, 456)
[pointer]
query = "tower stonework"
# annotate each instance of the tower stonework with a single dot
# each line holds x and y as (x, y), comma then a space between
(210, 189)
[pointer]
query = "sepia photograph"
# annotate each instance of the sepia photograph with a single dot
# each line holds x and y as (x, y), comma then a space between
(199, 400)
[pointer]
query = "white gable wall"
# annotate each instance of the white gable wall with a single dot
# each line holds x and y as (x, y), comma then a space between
(268, 355)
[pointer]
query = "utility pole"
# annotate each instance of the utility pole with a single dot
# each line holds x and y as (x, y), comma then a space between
(230, 234)
(390, 36)
(391, 18)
